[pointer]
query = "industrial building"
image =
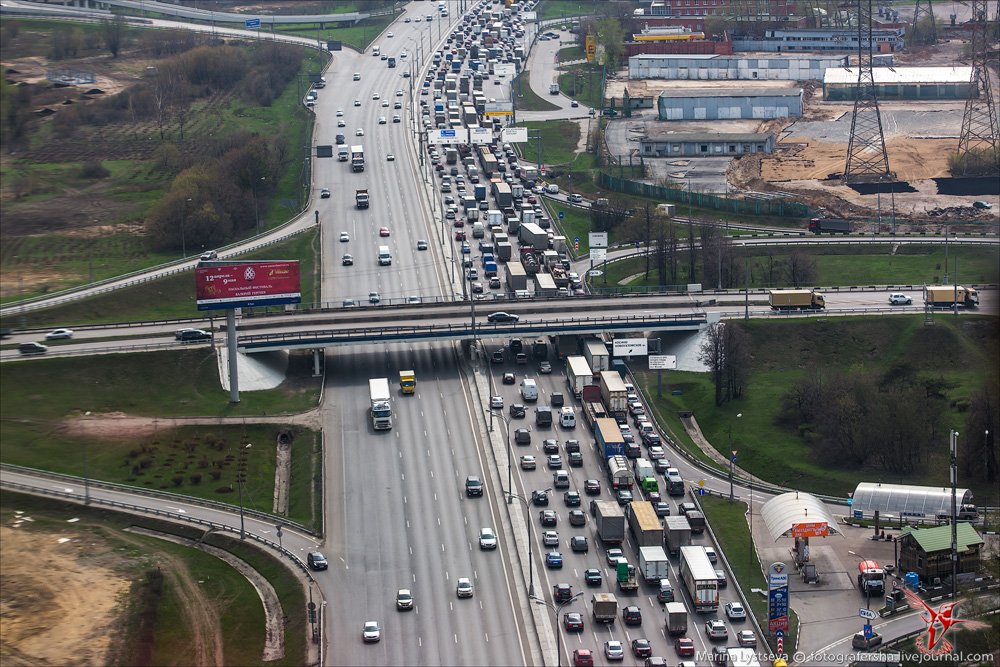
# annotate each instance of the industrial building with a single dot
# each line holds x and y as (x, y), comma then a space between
(709, 8)
(715, 67)
(843, 40)
(902, 83)
(714, 104)
(695, 140)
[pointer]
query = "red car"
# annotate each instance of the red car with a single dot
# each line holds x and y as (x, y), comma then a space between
(459, 222)
(383, 231)
(459, 236)
(582, 657)
(684, 646)
(592, 487)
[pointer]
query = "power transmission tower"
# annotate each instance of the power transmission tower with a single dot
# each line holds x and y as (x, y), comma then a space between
(867, 159)
(978, 140)
(925, 9)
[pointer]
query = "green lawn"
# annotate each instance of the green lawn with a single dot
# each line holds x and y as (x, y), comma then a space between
(554, 9)
(171, 297)
(729, 523)
(559, 141)
(571, 53)
(854, 265)
(526, 99)
(575, 223)
(582, 82)
(827, 346)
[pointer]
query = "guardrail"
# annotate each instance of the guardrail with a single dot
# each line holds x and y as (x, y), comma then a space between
(173, 516)
(162, 495)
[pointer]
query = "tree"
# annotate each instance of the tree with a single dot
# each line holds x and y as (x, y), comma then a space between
(801, 268)
(606, 218)
(113, 32)
(980, 456)
(611, 36)
(725, 351)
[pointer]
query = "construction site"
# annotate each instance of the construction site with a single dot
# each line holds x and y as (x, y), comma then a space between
(903, 127)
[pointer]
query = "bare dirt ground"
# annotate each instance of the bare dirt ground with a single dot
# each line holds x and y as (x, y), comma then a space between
(61, 597)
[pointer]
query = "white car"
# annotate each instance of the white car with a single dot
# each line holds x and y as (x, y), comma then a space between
(389, 34)
(382, 120)
(359, 132)
(496, 402)
(58, 334)
(376, 96)
(344, 237)
(399, 93)
(898, 299)
(735, 611)
(716, 629)
(357, 76)
(487, 539)
(357, 103)
(396, 118)
(463, 588)
(341, 123)
(372, 632)
(390, 157)
(613, 650)
(340, 113)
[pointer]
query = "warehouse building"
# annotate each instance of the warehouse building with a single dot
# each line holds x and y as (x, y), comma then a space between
(767, 67)
(694, 141)
(713, 104)
(843, 40)
(902, 83)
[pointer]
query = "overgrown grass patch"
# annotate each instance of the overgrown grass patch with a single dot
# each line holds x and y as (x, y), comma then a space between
(583, 82)
(559, 144)
(525, 98)
(554, 9)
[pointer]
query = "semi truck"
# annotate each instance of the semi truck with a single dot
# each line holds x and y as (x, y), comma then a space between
(825, 226)
(407, 382)
(361, 198)
(946, 296)
(608, 437)
(619, 474)
(676, 533)
(653, 564)
(609, 520)
(596, 353)
(517, 277)
(615, 395)
(699, 578)
(503, 195)
(533, 236)
(871, 578)
(796, 299)
(357, 158)
(628, 582)
(381, 405)
(451, 156)
(645, 525)
(578, 375)
(604, 607)
(675, 618)
(594, 411)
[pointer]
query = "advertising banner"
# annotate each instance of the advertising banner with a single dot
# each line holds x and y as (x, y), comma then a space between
(247, 284)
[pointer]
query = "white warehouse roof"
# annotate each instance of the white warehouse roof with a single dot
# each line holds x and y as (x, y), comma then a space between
(899, 75)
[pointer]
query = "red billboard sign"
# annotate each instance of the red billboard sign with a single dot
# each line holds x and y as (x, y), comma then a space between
(246, 284)
(817, 529)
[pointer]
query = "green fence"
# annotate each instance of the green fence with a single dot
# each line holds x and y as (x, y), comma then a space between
(770, 207)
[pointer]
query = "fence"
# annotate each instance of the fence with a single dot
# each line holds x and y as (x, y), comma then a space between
(778, 207)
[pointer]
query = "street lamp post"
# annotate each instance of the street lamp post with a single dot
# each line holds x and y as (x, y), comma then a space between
(732, 458)
(557, 609)
(241, 478)
(86, 470)
(531, 559)
(510, 471)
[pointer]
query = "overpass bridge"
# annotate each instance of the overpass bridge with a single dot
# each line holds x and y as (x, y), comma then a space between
(314, 339)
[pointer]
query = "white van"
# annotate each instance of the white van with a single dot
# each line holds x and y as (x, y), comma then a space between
(377, 51)
(384, 256)
(560, 479)
(529, 390)
(567, 417)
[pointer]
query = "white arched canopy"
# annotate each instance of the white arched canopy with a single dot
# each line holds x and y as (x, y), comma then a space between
(782, 514)
(906, 500)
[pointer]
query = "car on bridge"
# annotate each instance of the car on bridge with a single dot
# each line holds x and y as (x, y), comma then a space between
(501, 317)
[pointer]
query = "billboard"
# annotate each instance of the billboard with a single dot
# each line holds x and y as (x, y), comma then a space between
(660, 362)
(815, 529)
(591, 48)
(629, 347)
(514, 135)
(246, 284)
(480, 135)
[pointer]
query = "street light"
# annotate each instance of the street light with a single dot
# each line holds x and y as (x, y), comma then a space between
(556, 608)
(531, 561)
(732, 457)
(241, 478)
(510, 470)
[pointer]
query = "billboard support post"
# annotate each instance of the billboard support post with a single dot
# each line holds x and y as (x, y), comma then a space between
(234, 376)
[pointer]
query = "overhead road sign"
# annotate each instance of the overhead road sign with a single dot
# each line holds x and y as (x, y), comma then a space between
(252, 24)
(514, 135)
(451, 136)
(630, 347)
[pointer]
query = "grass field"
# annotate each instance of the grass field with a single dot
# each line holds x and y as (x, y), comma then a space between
(132, 555)
(171, 297)
(526, 99)
(729, 523)
(570, 53)
(582, 82)
(826, 347)
(559, 142)
(855, 265)
(554, 9)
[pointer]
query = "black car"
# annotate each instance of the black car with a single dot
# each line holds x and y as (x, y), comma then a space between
(516, 345)
(501, 317)
(562, 592)
(641, 648)
(593, 577)
(578, 543)
(572, 499)
(186, 335)
(316, 561)
(572, 445)
(592, 487)
(473, 486)
(548, 518)
(497, 357)
(632, 615)
(550, 446)
(623, 496)
(575, 460)
(32, 348)
(540, 498)
(516, 410)
(577, 518)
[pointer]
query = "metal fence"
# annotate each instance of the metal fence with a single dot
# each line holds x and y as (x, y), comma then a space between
(779, 208)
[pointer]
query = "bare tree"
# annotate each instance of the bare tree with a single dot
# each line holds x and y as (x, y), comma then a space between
(606, 218)
(979, 441)
(801, 268)
(113, 32)
(725, 351)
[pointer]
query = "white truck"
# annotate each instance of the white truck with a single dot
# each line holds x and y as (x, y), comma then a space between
(578, 375)
(381, 403)
(357, 158)
(698, 575)
(676, 618)
(615, 395)
(597, 355)
(653, 564)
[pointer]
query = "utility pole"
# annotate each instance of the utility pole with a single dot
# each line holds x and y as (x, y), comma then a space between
(978, 139)
(867, 159)
(954, 513)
